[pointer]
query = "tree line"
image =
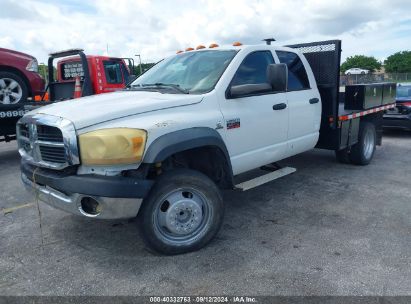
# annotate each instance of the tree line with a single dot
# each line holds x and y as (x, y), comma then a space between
(399, 62)
(144, 67)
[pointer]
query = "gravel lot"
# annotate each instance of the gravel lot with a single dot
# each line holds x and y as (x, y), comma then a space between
(328, 229)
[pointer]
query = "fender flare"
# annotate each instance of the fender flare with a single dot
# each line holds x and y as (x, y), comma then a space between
(178, 141)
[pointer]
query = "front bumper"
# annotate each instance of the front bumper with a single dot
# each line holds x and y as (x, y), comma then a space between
(117, 197)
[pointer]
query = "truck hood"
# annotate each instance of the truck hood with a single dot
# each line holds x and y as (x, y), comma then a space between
(91, 110)
(16, 54)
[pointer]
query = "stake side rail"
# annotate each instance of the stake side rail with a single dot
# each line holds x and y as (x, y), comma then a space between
(362, 113)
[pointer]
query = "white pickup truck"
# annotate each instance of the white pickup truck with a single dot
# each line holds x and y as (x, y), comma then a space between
(163, 149)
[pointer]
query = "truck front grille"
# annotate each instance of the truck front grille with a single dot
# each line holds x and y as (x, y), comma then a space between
(51, 144)
(47, 141)
(53, 154)
(47, 133)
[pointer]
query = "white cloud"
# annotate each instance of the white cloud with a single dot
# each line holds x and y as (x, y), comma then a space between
(6, 42)
(158, 28)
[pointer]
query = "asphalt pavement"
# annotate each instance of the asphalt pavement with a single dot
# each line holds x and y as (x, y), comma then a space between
(328, 229)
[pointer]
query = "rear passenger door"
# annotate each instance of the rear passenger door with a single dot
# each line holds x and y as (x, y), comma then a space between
(303, 103)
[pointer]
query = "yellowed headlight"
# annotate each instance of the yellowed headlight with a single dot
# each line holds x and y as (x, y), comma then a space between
(112, 146)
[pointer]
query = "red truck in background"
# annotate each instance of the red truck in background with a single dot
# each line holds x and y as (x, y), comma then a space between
(19, 77)
(107, 73)
(20, 83)
(98, 74)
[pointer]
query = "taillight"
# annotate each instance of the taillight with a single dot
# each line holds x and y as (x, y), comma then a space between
(406, 104)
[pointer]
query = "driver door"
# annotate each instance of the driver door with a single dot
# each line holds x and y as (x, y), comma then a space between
(256, 125)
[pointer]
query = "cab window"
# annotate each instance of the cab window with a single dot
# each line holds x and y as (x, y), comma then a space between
(192, 72)
(253, 69)
(112, 70)
(403, 91)
(297, 76)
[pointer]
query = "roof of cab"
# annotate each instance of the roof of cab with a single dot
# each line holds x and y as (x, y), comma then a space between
(241, 47)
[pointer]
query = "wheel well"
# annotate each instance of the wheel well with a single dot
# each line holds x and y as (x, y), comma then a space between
(5, 68)
(377, 120)
(209, 160)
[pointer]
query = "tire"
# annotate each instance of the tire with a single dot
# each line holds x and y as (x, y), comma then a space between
(343, 156)
(363, 151)
(348, 73)
(13, 89)
(181, 200)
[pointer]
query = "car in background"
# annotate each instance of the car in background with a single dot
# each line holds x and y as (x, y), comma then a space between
(19, 77)
(356, 71)
(400, 116)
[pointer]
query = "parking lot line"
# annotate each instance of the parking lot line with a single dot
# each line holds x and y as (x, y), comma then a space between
(10, 210)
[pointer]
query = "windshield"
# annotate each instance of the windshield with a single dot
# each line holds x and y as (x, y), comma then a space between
(403, 91)
(191, 72)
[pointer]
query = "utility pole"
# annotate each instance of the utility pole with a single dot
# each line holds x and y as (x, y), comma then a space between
(141, 68)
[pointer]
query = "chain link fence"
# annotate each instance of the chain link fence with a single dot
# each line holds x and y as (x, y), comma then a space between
(372, 78)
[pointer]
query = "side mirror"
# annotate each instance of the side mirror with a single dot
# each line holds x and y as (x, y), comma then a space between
(277, 81)
(244, 90)
(277, 77)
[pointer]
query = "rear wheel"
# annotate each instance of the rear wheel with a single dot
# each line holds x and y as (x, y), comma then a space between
(182, 213)
(363, 151)
(13, 89)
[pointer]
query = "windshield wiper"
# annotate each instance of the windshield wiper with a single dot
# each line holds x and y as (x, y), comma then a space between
(169, 85)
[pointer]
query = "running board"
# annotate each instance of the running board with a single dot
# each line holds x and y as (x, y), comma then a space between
(263, 179)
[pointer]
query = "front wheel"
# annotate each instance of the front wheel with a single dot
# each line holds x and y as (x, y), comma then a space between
(182, 213)
(12, 88)
(363, 151)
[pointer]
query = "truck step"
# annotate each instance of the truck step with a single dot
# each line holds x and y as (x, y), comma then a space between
(263, 179)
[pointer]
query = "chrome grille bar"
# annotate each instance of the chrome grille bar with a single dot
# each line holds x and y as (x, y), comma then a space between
(47, 141)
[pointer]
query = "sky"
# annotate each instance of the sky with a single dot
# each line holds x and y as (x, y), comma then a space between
(156, 29)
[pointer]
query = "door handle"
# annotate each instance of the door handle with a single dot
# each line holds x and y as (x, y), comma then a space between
(314, 100)
(279, 106)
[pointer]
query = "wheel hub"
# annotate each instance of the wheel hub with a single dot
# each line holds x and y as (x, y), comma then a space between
(10, 91)
(184, 216)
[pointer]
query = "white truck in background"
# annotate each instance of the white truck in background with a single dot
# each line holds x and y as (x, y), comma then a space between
(163, 149)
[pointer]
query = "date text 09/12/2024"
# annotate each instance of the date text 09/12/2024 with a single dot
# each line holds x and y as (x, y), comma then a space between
(203, 299)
